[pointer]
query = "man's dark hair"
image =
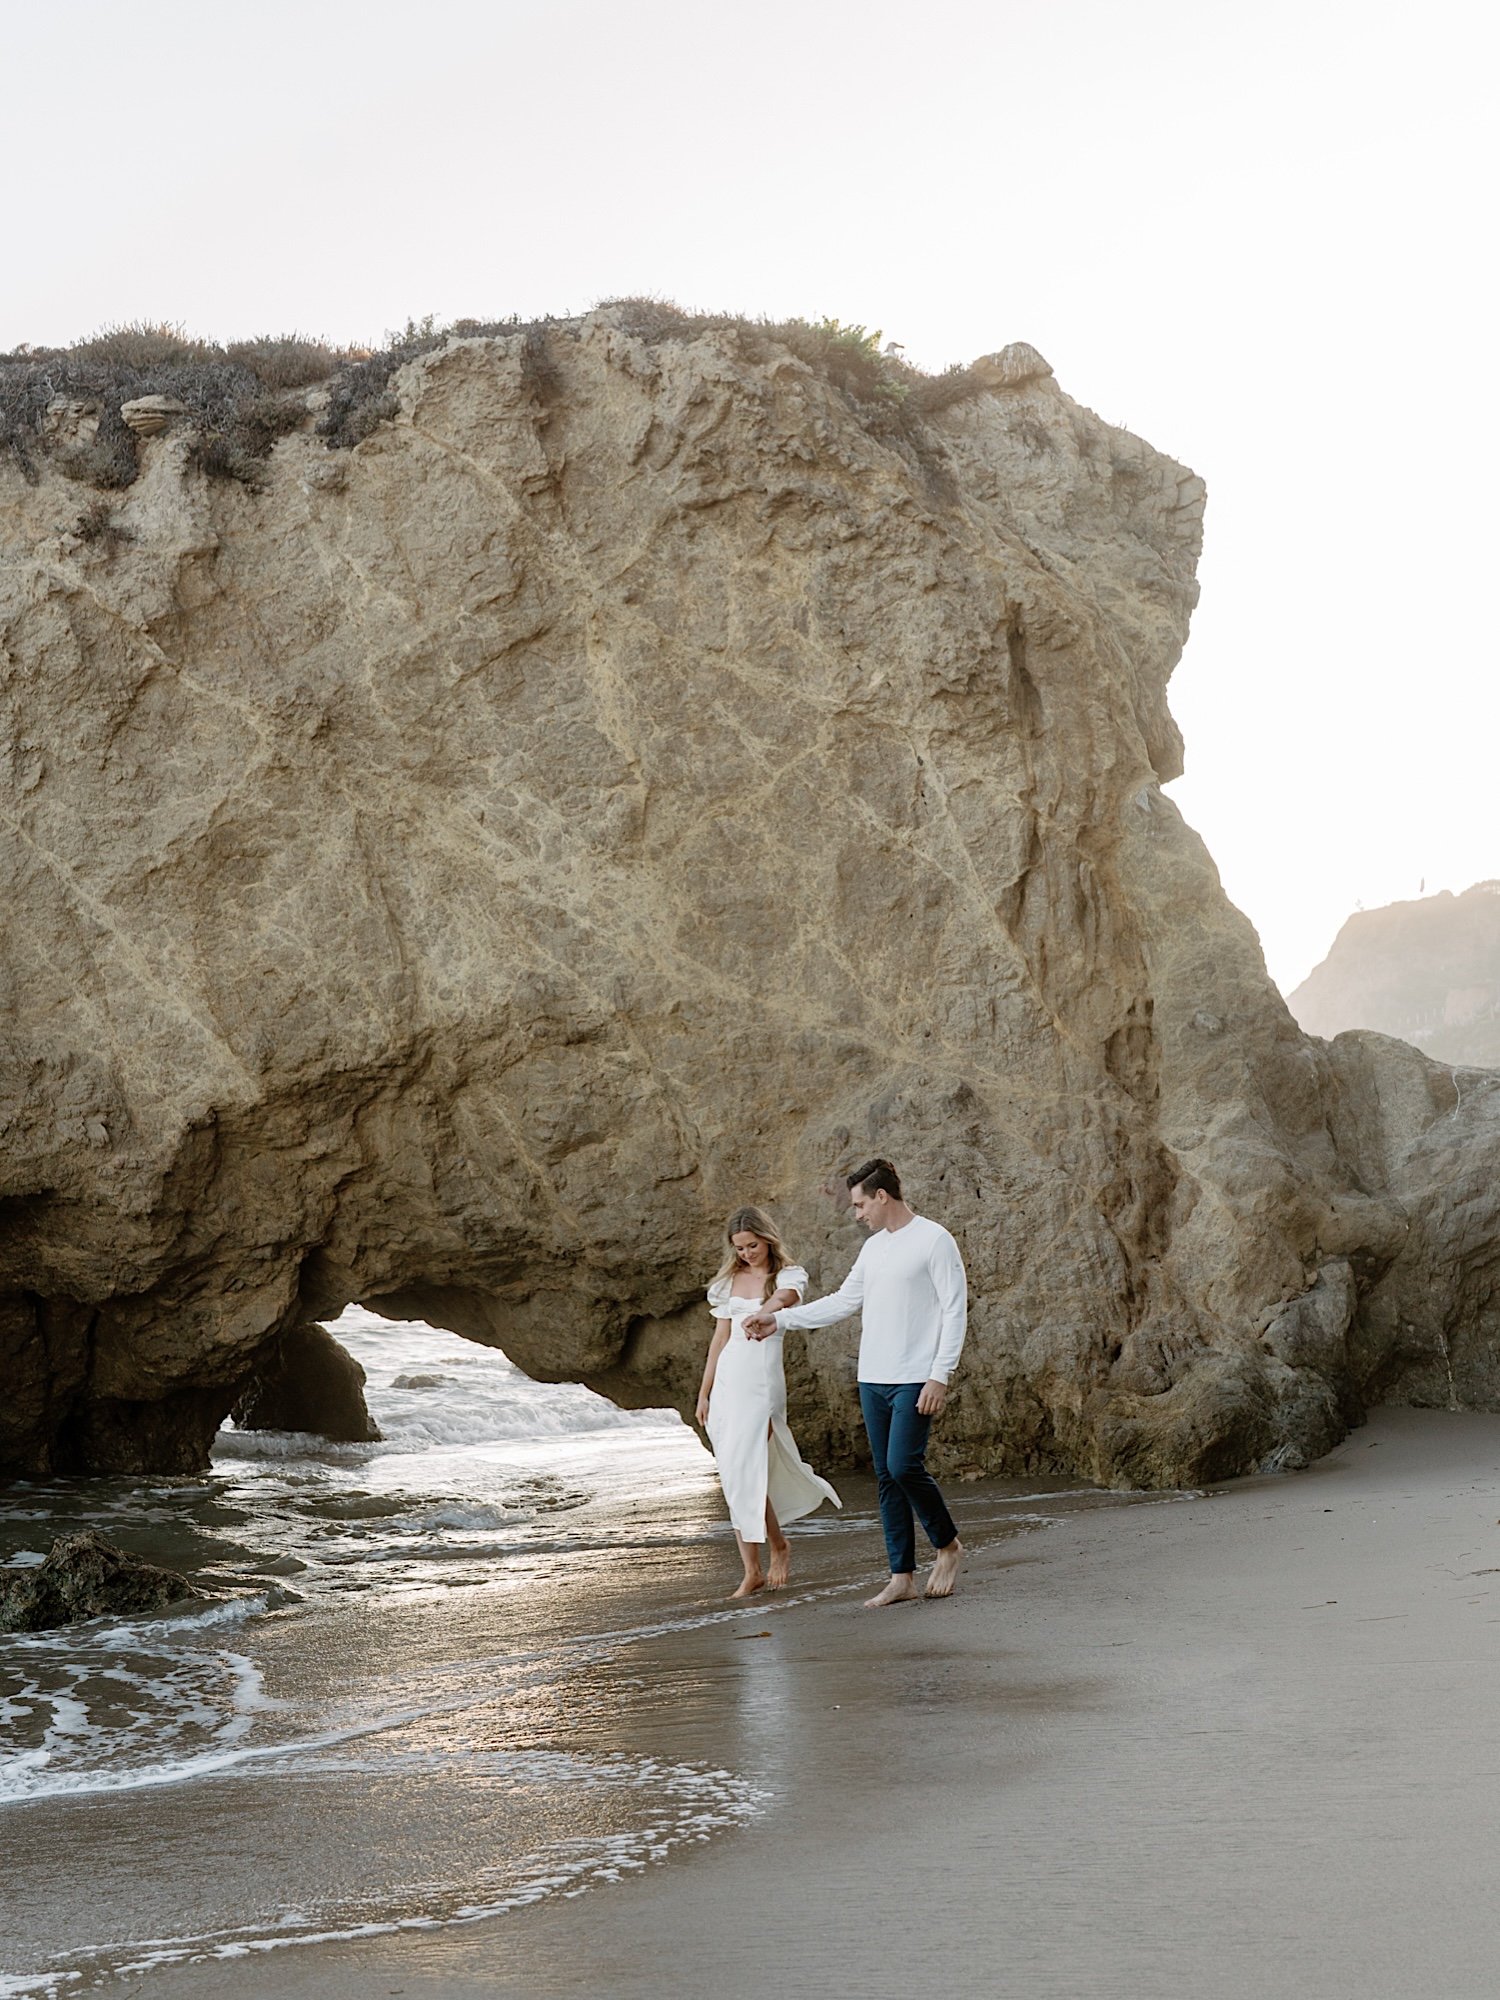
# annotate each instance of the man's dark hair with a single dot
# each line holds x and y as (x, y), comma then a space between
(877, 1177)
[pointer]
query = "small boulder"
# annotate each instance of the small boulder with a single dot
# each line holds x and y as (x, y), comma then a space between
(306, 1382)
(84, 1576)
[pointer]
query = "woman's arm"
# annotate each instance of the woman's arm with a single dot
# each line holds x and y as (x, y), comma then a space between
(715, 1349)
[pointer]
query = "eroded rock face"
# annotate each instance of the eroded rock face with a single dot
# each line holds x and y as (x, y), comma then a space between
(306, 1382)
(639, 784)
(85, 1576)
(1427, 1137)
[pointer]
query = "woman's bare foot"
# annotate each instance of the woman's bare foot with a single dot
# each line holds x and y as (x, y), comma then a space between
(900, 1590)
(781, 1565)
(749, 1586)
(945, 1569)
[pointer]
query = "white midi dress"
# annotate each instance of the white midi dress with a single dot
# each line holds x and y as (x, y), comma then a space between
(755, 1452)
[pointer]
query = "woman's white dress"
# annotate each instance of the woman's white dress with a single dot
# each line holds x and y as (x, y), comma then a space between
(754, 1450)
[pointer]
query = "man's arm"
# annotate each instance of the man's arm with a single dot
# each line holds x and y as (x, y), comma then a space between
(817, 1312)
(947, 1269)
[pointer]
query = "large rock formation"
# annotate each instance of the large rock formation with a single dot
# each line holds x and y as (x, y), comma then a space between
(1427, 971)
(639, 778)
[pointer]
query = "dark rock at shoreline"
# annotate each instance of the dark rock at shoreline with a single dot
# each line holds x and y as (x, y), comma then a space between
(307, 1382)
(86, 1576)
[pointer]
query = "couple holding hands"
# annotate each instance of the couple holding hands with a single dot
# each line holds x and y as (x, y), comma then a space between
(908, 1285)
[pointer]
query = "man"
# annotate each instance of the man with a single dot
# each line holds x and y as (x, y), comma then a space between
(908, 1284)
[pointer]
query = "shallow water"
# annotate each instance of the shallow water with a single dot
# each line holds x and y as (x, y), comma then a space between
(408, 1705)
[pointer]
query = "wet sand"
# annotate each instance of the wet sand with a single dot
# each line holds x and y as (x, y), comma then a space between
(1234, 1744)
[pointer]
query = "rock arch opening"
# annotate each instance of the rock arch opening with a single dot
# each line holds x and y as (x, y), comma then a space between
(374, 1375)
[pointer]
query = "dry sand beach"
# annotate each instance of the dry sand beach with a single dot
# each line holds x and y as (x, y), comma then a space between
(1233, 1744)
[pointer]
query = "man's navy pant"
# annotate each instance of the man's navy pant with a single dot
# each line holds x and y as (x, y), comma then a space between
(898, 1441)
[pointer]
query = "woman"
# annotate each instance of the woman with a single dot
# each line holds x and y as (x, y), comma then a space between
(742, 1403)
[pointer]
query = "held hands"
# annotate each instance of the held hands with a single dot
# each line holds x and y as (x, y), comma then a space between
(930, 1402)
(761, 1325)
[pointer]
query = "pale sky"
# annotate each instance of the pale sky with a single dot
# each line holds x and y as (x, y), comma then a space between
(1259, 232)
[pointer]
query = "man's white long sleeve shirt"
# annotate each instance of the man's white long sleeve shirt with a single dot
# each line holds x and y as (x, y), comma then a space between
(908, 1284)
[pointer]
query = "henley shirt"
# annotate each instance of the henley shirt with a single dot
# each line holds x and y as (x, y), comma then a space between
(908, 1285)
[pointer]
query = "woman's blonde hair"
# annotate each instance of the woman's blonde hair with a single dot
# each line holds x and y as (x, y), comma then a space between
(759, 1224)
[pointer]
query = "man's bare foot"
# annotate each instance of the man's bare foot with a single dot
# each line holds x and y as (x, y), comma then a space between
(945, 1569)
(750, 1585)
(781, 1565)
(900, 1590)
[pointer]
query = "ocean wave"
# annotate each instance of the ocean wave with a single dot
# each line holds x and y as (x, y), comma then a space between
(107, 1708)
(231, 1443)
(36, 1778)
(181, 1623)
(227, 1611)
(665, 1807)
(463, 1514)
(460, 1417)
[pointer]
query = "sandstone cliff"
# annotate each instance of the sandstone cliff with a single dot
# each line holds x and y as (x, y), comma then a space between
(639, 777)
(1427, 971)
